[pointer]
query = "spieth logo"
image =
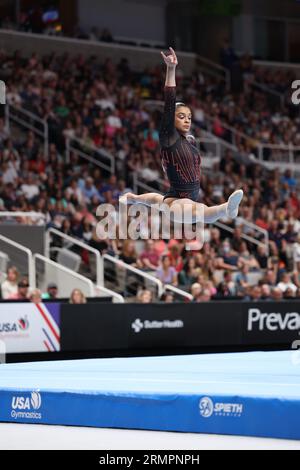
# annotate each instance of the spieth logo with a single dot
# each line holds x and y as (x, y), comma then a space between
(230, 410)
(22, 403)
(138, 325)
(206, 406)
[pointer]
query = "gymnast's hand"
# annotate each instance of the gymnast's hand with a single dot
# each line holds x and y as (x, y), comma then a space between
(170, 60)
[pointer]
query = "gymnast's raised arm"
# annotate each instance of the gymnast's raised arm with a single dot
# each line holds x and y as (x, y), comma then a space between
(168, 134)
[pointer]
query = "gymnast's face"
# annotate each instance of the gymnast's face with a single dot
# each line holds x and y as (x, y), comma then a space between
(183, 119)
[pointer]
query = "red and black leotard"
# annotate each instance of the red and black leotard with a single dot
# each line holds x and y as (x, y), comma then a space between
(181, 159)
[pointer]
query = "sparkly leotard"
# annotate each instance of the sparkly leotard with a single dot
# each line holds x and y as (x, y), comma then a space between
(181, 159)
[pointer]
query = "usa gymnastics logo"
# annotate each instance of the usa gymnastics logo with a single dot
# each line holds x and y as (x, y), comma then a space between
(23, 324)
(26, 407)
(208, 408)
(22, 403)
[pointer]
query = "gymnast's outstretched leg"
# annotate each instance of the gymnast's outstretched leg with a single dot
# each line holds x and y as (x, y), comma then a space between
(211, 214)
(147, 199)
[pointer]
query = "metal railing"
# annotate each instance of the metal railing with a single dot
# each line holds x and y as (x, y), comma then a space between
(31, 215)
(221, 144)
(67, 280)
(214, 69)
(234, 135)
(96, 156)
(139, 42)
(117, 298)
(246, 237)
(179, 292)
(71, 241)
(212, 152)
(13, 250)
(278, 155)
(255, 228)
(138, 184)
(271, 155)
(30, 121)
(148, 280)
(280, 97)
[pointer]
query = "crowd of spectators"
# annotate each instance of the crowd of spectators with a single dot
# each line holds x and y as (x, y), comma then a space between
(105, 105)
(17, 288)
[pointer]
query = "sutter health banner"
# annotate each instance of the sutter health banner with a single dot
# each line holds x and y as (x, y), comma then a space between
(28, 327)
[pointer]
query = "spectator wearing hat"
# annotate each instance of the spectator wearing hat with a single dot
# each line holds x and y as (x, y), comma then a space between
(52, 291)
(22, 293)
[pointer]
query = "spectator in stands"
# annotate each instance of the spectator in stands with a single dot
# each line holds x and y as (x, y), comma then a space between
(35, 296)
(175, 254)
(204, 296)
(261, 257)
(52, 292)
(227, 288)
(242, 279)
(128, 254)
(255, 293)
(167, 297)
(286, 283)
(289, 293)
(237, 240)
(276, 294)
(77, 297)
(196, 290)
(265, 292)
(188, 275)
(145, 297)
(149, 259)
(22, 293)
(227, 55)
(270, 278)
(245, 257)
(30, 188)
(228, 259)
(166, 273)
(10, 286)
(88, 189)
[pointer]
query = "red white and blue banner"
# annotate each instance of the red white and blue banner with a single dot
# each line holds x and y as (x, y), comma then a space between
(28, 327)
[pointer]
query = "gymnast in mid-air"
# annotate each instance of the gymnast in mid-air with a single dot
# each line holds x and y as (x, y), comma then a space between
(181, 160)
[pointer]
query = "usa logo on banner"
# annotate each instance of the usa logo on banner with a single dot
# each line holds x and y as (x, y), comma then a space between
(28, 327)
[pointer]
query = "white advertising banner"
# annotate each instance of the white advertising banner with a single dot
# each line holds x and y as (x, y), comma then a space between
(28, 327)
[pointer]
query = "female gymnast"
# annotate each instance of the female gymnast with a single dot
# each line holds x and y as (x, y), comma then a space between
(181, 160)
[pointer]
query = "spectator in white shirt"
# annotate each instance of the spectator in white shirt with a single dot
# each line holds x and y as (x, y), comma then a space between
(30, 189)
(10, 174)
(10, 285)
(286, 283)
